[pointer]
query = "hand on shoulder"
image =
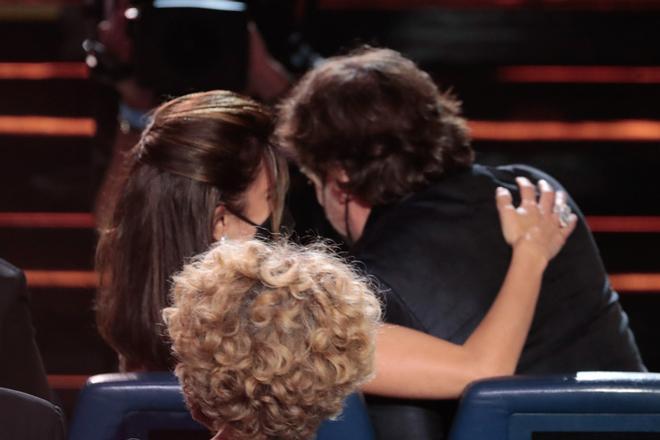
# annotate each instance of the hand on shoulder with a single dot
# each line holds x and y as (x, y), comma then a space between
(539, 226)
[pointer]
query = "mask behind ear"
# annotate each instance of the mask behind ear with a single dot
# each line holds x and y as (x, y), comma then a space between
(265, 230)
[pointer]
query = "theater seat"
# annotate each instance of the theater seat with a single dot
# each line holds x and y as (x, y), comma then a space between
(145, 406)
(27, 417)
(588, 405)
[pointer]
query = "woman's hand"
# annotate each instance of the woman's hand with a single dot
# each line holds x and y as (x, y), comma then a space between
(541, 227)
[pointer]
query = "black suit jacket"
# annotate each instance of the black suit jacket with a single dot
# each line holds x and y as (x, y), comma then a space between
(26, 417)
(21, 367)
(441, 258)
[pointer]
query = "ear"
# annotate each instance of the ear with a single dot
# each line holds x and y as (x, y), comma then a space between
(335, 180)
(219, 222)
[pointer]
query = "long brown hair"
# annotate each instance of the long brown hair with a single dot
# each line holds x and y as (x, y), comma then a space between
(199, 150)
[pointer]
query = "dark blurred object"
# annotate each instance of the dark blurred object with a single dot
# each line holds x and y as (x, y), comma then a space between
(21, 367)
(27, 417)
(173, 47)
(178, 50)
(285, 25)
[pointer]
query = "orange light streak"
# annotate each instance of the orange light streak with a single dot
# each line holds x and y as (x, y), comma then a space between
(623, 130)
(625, 282)
(85, 220)
(604, 223)
(636, 282)
(397, 5)
(62, 278)
(42, 71)
(464, 4)
(47, 126)
(55, 220)
(580, 74)
(67, 381)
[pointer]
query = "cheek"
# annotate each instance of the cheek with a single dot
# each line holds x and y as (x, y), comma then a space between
(321, 196)
(248, 232)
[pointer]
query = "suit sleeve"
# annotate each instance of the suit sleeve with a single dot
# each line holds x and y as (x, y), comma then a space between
(21, 366)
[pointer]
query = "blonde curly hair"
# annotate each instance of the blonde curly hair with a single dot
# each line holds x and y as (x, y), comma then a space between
(271, 338)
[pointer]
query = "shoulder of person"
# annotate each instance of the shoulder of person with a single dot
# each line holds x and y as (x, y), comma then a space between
(30, 417)
(515, 170)
(12, 284)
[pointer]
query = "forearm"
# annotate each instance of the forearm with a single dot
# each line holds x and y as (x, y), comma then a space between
(411, 364)
(496, 344)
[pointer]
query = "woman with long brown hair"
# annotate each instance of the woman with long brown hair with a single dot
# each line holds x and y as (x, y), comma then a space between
(205, 169)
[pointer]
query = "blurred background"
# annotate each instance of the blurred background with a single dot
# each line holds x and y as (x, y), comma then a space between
(569, 86)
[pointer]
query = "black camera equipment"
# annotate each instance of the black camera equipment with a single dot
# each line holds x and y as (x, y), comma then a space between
(180, 46)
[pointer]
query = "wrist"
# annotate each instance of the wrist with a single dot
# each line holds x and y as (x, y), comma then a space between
(527, 253)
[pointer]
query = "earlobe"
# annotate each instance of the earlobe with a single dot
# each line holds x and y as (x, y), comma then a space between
(336, 181)
(338, 193)
(219, 222)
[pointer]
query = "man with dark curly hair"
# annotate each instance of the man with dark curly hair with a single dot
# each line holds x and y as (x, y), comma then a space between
(391, 160)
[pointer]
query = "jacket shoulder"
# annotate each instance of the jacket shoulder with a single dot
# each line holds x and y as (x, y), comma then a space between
(12, 283)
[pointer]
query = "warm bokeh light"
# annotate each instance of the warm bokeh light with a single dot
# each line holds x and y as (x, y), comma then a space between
(601, 5)
(43, 71)
(636, 282)
(77, 279)
(46, 126)
(82, 220)
(603, 223)
(623, 130)
(580, 74)
(67, 381)
(625, 282)
(61, 220)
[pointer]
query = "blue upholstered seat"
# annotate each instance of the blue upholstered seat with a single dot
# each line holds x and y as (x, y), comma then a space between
(132, 405)
(585, 405)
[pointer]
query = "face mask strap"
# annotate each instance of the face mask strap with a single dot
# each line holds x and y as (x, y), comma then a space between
(242, 217)
(349, 235)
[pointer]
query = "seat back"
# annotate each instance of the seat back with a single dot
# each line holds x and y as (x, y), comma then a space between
(588, 405)
(130, 405)
(137, 405)
(27, 417)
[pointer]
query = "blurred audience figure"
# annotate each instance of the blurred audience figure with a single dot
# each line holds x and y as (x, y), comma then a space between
(152, 51)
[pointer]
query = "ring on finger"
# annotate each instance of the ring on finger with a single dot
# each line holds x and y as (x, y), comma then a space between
(564, 213)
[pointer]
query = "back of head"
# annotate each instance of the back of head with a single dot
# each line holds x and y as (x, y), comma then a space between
(270, 338)
(199, 150)
(380, 118)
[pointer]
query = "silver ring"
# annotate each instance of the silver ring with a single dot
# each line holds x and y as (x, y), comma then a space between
(564, 212)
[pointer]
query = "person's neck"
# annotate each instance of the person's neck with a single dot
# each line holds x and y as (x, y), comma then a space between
(218, 436)
(357, 218)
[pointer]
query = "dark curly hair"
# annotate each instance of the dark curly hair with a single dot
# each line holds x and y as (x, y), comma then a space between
(381, 119)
